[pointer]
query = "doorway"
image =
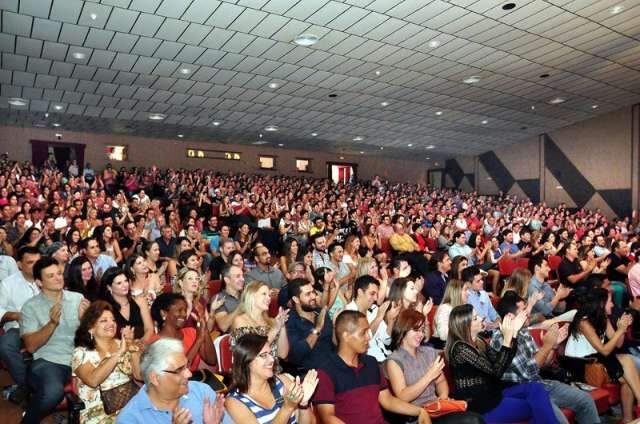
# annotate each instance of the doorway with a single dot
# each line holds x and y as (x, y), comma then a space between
(434, 178)
(63, 156)
(342, 173)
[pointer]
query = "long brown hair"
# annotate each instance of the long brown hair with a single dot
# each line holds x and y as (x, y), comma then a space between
(247, 349)
(409, 319)
(459, 327)
(518, 282)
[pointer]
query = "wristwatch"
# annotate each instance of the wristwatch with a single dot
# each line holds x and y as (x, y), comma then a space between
(315, 332)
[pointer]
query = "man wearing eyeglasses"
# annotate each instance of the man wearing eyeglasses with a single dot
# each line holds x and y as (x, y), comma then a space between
(168, 396)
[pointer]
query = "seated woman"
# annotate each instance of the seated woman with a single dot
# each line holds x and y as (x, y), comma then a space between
(591, 335)
(101, 361)
(332, 296)
(136, 269)
(157, 268)
(404, 291)
(477, 369)
(169, 311)
(454, 295)
(258, 395)
(415, 371)
(189, 285)
(80, 278)
(518, 282)
(128, 310)
(254, 319)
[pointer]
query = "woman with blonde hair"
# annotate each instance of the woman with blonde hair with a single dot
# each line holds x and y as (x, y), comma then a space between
(351, 246)
(519, 282)
(369, 266)
(254, 318)
(189, 285)
(454, 294)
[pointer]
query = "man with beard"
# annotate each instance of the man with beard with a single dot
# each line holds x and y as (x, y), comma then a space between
(308, 327)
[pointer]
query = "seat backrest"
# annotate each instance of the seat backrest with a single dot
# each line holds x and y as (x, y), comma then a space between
(214, 287)
(224, 354)
(506, 267)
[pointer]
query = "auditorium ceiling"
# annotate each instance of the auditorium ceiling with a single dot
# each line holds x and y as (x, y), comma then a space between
(403, 78)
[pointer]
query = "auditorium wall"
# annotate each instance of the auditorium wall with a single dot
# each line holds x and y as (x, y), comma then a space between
(592, 164)
(172, 153)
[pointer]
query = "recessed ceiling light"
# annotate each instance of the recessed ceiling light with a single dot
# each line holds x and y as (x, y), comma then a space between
(508, 6)
(56, 125)
(314, 134)
(471, 80)
(361, 152)
(78, 55)
(280, 144)
(358, 138)
(410, 145)
(306, 40)
(433, 44)
(485, 122)
(383, 104)
(17, 101)
(58, 107)
(378, 73)
(157, 116)
(381, 147)
(533, 107)
(439, 113)
(616, 9)
(544, 76)
(46, 115)
(431, 146)
(180, 135)
(185, 71)
(557, 100)
(215, 123)
(428, 158)
(594, 106)
(274, 85)
(260, 142)
(271, 128)
(93, 16)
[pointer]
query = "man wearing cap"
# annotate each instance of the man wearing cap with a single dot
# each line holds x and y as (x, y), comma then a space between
(15, 290)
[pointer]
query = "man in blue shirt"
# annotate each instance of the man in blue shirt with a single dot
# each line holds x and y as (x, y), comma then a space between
(553, 301)
(460, 247)
(437, 280)
(168, 396)
(479, 298)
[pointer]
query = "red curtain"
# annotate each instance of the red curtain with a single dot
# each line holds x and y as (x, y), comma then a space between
(40, 151)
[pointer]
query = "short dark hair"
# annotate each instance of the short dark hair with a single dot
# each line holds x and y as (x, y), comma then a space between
(41, 264)
(24, 250)
(347, 321)
(508, 304)
(333, 246)
(162, 303)
(469, 272)
(362, 283)
(437, 257)
(457, 234)
(84, 243)
(534, 261)
(295, 287)
(184, 256)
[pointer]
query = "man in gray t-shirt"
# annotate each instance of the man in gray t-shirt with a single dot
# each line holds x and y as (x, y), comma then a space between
(48, 324)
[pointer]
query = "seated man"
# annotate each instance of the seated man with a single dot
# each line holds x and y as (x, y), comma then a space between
(309, 329)
(553, 301)
(233, 286)
(264, 271)
(570, 271)
(351, 383)
(479, 298)
(168, 396)
(436, 281)
(48, 325)
(15, 290)
(528, 360)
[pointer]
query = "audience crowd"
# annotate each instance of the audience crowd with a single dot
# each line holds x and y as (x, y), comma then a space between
(189, 296)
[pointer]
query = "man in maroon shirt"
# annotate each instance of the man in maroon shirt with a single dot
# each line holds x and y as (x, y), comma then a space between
(351, 382)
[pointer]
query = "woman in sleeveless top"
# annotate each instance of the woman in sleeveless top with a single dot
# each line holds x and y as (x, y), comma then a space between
(258, 395)
(593, 336)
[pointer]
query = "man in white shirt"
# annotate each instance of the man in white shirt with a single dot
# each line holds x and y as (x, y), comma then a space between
(15, 290)
(380, 319)
(8, 266)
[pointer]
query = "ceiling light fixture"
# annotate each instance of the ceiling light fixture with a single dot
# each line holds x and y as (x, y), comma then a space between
(180, 135)
(471, 80)
(78, 55)
(508, 6)
(93, 16)
(17, 101)
(215, 123)
(410, 145)
(383, 104)
(361, 152)
(616, 9)
(439, 113)
(533, 108)
(280, 144)
(431, 146)
(594, 106)
(314, 134)
(185, 71)
(428, 158)
(157, 116)
(557, 100)
(46, 115)
(271, 128)
(306, 40)
(58, 107)
(358, 138)
(433, 44)
(485, 122)
(56, 125)
(274, 85)
(381, 147)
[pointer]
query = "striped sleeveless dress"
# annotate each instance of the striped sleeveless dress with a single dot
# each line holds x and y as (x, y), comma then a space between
(265, 416)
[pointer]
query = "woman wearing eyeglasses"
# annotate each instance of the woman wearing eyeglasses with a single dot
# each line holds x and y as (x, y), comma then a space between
(258, 395)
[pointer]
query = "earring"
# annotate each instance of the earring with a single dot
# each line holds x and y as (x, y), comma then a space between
(91, 335)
